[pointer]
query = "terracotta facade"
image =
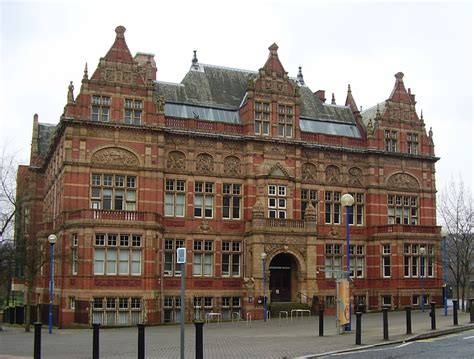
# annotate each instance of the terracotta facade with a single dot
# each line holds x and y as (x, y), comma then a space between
(124, 182)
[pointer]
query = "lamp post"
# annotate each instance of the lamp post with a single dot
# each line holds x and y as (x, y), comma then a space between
(444, 234)
(52, 240)
(347, 201)
(263, 255)
(422, 275)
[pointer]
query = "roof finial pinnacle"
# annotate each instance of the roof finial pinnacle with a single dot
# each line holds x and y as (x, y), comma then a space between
(377, 114)
(120, 31)
(299, 77)
(85, 77)
(333, 100)
(349, 88)
(421, 115)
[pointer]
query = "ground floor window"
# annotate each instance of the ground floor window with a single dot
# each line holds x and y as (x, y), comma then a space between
(231, 308)
(386, 300)
(111, 311)
(172, 309)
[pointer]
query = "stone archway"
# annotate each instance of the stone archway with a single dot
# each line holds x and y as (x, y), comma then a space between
(283, 282)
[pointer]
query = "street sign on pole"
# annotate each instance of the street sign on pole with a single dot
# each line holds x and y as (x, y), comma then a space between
(181, 259)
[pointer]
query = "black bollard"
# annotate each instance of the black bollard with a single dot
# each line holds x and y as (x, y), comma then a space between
(37, 342)
(408, 316)
(95, 341)
(358, 328)
(321, 321)
(141, 341)
(385, 323)
(199, 324)
(471, 309)
(455, 312)
(433, 315)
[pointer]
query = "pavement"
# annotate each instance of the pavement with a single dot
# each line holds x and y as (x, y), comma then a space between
(274, 339)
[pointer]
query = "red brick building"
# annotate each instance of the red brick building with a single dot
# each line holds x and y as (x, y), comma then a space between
(230, 164)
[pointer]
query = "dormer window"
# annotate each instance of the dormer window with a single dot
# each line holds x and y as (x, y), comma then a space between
(285, 121)
(390, 141)
(262, 118)
(100, 108)
(133, 112)
(412, 143)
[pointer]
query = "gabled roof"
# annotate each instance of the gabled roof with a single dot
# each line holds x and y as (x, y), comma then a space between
(45, 136)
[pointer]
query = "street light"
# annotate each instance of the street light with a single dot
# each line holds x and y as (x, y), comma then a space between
(422, 275)
(444, 234)
(263, 255)
(52, 240)
(347, 201)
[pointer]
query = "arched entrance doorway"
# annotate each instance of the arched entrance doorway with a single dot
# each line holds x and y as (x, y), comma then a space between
(283, 281)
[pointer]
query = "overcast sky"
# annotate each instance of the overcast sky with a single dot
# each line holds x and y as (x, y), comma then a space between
(45, 44)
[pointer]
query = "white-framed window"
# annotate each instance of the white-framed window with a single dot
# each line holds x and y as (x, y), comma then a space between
(402, 209)
(231, 257)
(231, 200)
(133, 111)
(277, 201)
(113, 191)
(203, 258)
(172, 309)
(117, 254)
(175, 197)
(357, 261)
(203, 199)
(229, 306)
(117, 310)
(307, 196)
(386, 300)
(74, 249)
(418, 260)
(332, 205)
(285, 121)
(72, 303)
(171, 268)
(262, 118)
(332, 260)
(356, 211)
(386, 261)
(100, 109)
(412, 143)
(390, 141)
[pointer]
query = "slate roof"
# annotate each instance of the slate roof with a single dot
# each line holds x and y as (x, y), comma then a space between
(45, 136)
(371, 112)
(207, 87)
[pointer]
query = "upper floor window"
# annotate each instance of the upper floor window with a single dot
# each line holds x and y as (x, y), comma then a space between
(111, 191)
(386, 261)
(356, 211)
(203, 258)
(203, 199)
(117, 254)
(277, 201)
(133, 111)
(262, 118)
(175, 197)
(412, 143)
(307, 196)
(231, 200)
(285, 121)
(332, 204)
(390, 141)
(100, 108)
(231, 252)
(171, 268)
(402, 209)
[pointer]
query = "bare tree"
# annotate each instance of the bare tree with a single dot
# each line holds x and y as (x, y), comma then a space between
(455, 208)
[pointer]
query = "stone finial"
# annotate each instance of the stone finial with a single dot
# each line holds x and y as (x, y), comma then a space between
(421, 115)
(258, 210)
(399, 76)
(70, 93)
(377, 114)
(333, 100)
(299, 77)
(85, 77)
(430, 135)
(349, 88)
(310, 213)
(273, 49)
(120, 31)
(160, 104)
(195, 59)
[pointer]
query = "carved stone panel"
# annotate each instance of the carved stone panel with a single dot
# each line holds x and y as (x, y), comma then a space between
(309, 172)
(176, 160)
(204, 163)
(355, 177)
(333, 175)
(115, 157)
(232, 165)
(403, 181)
